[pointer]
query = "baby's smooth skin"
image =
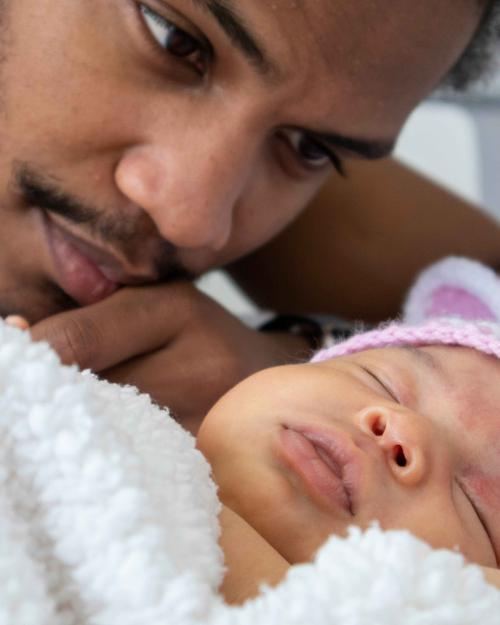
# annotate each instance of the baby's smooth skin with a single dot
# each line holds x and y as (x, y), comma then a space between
(409, 437)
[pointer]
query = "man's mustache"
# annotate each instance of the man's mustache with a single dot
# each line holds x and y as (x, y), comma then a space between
(122, 233)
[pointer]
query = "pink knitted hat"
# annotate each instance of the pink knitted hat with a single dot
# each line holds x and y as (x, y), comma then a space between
(454, 302)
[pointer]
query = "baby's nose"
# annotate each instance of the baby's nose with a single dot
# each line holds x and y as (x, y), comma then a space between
(401, 439)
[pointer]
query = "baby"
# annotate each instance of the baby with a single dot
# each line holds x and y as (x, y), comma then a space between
(399, 425)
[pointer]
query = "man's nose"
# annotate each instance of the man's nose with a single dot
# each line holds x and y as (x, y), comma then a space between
(402, 438)
(190, 193)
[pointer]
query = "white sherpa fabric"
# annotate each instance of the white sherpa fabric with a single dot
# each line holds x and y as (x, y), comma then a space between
(108, 516)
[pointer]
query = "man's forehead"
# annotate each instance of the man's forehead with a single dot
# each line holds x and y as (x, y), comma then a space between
(378, 56)
(367, 30)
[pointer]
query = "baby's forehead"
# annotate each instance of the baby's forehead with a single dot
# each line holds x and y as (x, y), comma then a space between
(466, 377)
(452, 359)
(412, 355)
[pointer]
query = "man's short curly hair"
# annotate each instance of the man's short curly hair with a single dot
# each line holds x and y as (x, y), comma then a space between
(479, 56)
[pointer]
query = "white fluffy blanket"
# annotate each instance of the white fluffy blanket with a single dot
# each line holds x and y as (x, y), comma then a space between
(108, 516)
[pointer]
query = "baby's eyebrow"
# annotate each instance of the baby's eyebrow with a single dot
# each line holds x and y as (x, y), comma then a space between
(425, 358)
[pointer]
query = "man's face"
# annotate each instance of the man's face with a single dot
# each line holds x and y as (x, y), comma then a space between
(408, 437)
(144, 140)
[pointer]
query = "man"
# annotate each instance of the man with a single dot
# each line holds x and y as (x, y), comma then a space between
(147, 141)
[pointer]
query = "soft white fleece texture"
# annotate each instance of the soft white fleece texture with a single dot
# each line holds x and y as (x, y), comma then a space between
(108, 516)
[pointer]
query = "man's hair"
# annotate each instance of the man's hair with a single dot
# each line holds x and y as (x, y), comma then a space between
(478, 59)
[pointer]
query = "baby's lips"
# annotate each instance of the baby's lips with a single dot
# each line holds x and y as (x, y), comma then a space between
(17, 322)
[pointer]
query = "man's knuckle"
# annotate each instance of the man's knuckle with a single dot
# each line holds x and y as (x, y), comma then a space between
(81, 342)
(231, 368)
(191, 310)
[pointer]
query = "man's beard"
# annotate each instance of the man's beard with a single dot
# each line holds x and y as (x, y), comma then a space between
(38, 298)
(118, 231)
(44, 300)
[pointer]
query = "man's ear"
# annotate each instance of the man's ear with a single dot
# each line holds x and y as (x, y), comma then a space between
(454, 287)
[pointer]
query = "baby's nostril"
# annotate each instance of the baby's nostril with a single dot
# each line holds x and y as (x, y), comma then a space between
(399, 456)
(378, 427)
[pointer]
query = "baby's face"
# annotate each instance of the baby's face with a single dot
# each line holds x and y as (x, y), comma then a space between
(409, 437)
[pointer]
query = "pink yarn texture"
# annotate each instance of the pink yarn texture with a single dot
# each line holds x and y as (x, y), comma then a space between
(456, 301)
(481, 335)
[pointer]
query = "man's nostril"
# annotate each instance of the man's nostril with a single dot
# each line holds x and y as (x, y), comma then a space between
(399, 456)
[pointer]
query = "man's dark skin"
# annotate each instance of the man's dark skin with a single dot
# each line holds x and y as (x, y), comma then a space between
(143, 142)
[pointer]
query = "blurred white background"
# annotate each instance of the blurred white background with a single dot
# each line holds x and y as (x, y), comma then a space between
(452, 140)
(456, 141)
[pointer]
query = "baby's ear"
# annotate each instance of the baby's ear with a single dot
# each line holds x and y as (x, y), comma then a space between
(454, 287)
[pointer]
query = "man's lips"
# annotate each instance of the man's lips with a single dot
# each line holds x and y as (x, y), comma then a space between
(324, 463)
(85, 272)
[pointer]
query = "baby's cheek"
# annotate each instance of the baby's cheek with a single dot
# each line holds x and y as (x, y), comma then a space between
(475, 411)
(485, 491)
(207, 439)
(486, 488)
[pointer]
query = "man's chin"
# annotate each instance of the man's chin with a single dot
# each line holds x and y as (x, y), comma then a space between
(36, 304)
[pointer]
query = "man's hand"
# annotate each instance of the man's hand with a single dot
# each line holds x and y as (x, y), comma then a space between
(170, 341)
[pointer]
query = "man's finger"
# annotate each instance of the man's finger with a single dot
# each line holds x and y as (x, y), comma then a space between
(131, 322)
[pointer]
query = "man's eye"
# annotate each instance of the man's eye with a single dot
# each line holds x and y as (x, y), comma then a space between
(311, 153)
(175, 40)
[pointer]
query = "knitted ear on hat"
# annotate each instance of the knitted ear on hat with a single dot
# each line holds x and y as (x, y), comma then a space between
(454, 302)
(454, 287)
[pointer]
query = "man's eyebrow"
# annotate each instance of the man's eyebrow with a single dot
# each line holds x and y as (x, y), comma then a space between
(242, 38)
(238, 32)
(367, 148)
